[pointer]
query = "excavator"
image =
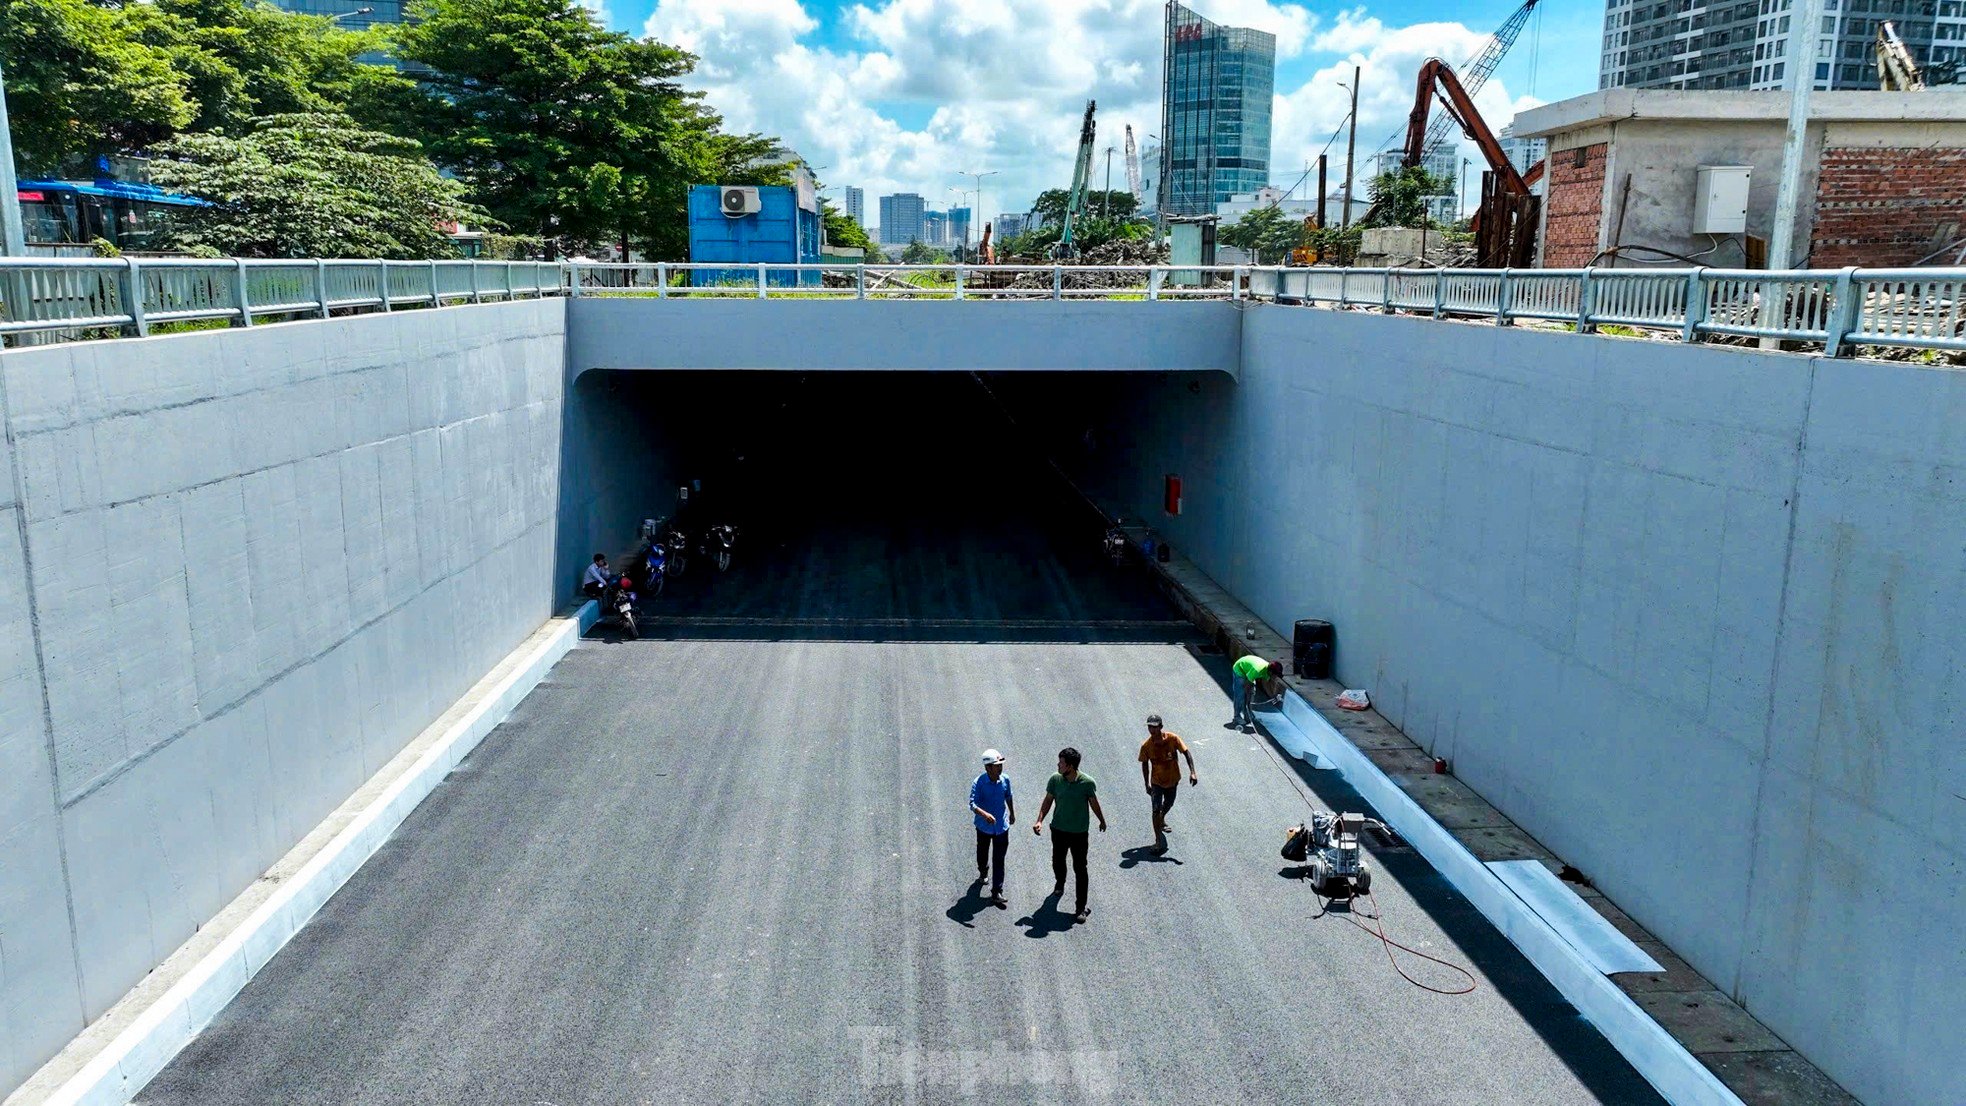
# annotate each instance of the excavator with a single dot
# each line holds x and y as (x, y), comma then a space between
(1898, 71)
(1505, 220)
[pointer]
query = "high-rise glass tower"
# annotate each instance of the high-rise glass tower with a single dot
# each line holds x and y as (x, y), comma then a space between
(856, 205)
(1744, 43)
(1217, 86)
(902, 218)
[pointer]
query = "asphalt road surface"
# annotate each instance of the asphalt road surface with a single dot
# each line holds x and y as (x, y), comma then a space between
(733, 863)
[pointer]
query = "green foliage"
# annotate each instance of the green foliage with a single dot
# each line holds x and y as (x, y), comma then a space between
(841, 230)
(566, 129)
(1267, 233)
(1401, 197)
(1049, 207)
(310, 186)
(920, 253)
(1335, 246)
(1042, 241)
(80, 83)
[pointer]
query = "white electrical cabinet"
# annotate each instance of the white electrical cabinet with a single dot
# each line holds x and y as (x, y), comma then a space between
(1720, 199)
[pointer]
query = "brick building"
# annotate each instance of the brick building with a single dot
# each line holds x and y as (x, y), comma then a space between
(1884, 183)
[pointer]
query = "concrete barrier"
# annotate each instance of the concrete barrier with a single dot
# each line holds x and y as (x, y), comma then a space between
(239, 571)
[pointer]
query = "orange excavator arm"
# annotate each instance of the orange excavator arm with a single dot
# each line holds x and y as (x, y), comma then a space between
(1454, 99)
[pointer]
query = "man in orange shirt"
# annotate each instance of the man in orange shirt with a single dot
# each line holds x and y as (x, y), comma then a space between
(1160, 771)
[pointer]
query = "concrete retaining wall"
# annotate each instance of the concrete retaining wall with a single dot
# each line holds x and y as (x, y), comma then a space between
(813, 335)
(1689, 615)
(244, 569)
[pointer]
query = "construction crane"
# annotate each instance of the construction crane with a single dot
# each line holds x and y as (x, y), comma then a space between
(1896, 71)
(1504, 224)
(1476, 72)
(1133, 168)
(1081, 179)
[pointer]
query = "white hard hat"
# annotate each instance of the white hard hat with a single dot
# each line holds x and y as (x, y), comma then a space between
(991, 756)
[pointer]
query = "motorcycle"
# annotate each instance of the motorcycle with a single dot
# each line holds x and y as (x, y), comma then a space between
(655, 560)
(675, 547)
(621, 602)
(717, 544)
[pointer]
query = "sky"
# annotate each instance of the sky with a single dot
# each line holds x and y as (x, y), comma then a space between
(911, 95)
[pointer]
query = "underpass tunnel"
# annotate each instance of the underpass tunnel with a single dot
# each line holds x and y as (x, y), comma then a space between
(861, 499)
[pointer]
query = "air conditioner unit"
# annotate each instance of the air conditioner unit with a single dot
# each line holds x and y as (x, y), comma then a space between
(739, 201)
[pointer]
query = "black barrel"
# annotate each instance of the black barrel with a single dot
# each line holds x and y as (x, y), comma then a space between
(1312, 640)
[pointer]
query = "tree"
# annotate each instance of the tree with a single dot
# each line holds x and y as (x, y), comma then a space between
(1267, 233)
(1049, 207)
(563, 128)
(81, 83)
(310, 186)
(921, 253)
(244, 59)
(1401, 197)
(841, 230)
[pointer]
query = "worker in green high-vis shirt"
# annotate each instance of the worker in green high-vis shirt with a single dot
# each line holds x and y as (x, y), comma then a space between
(1248, 672)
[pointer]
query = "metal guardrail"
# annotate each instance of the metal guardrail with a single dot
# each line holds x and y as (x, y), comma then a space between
(75, 296)
(1837, 309)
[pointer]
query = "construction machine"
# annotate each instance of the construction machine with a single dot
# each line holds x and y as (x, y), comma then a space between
(1896, 70)
(1075, 206)
(1505, 219)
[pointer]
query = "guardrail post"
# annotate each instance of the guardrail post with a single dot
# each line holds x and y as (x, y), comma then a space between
(1344, 279)
(1236, 277)
(1386, 292)
(1586, 297)
(1504, 299)
(476, 295)
(321, 285)
(436, 297)
(1696, 305)
(959, 280)
(239, 291)
(382, 282)
(1057, 282)
(132, 297)
(1842, 314)
(761, 280)
(573, 280)
(860, 281)
(1440, 293)
(662, 280)
(1153, 282)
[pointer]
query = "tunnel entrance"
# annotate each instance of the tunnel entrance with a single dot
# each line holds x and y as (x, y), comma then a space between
(869, 506)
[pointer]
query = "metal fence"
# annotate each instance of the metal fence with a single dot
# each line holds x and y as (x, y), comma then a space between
(90, 297)
(1838, 310)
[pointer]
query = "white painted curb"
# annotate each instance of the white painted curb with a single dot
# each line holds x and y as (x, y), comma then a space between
(1664, 1062)
(131, 1059)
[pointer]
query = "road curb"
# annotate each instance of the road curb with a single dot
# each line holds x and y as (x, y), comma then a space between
(136, 1053)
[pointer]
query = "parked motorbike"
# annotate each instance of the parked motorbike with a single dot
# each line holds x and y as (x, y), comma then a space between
(717, 544)
(675, 548)
(620, 602)
(655, 560)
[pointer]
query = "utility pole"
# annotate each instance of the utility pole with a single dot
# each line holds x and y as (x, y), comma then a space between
(1351, 149)
(1106, 204)
(978, 213)
(13, 240)
(1317, 255)
(1804, 31)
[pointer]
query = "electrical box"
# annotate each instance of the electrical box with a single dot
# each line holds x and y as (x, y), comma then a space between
(1720, 199)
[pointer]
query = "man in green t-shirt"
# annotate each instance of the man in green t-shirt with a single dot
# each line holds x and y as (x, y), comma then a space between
(1247, 673)
(1076, 796)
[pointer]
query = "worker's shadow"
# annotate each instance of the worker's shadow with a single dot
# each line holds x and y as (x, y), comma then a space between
(1144, 854)
(975, 901)
(1046, 920)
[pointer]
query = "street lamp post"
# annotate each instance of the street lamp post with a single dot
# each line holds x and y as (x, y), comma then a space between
(1351, 147)
(13, 240)
(978, 213)
(960, 193)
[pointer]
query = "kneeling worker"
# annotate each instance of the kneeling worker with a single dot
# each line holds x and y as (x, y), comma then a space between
(1248, 672)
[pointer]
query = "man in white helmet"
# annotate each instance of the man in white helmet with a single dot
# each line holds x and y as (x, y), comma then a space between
(990, 801)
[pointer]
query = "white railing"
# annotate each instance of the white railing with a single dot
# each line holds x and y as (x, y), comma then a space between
(1837, 310)
(85, 297)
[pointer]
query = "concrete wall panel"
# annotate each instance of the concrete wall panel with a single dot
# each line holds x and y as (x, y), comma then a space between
(1688, 615)
(263, 560)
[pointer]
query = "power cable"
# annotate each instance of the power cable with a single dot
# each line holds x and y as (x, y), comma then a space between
(1378, 926)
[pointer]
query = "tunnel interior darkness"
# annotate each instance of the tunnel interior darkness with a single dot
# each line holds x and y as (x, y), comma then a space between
(886, 505)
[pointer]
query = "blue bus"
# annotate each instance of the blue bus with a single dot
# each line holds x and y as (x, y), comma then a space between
(65, 215)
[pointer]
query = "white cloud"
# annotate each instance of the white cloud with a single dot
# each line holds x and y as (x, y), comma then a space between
(1003, 85)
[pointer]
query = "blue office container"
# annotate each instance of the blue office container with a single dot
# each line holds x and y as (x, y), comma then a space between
(782, 232)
